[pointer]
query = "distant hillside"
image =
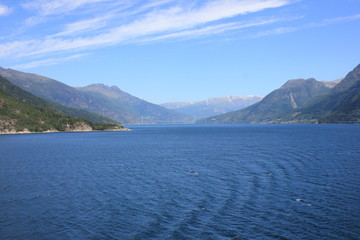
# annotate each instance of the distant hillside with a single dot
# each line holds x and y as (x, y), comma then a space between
(121, 107)
(212, 106)
(129, 108)
(20, 111)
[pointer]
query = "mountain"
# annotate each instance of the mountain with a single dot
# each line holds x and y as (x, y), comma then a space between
(340, 105)
(36, 85)
(108, 101)
(131, 109)
(278, 106)
(304, 101)
(212, 106)
(21, 111)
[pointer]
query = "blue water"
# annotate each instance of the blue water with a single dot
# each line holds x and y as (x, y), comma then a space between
(183, 182)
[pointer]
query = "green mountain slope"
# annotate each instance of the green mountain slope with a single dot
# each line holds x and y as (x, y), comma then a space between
(279, 106)
(123, 108)
(18, 113)
(36, 85)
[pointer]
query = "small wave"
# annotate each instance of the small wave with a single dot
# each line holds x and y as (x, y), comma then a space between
(303, 201)
(194, 173)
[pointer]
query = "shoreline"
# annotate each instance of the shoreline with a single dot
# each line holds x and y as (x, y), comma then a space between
(55, 131)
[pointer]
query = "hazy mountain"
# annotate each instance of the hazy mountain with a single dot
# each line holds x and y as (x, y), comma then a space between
(100, 99)
(21, 111)
(278, 106)
(129, 108)
(212, 106)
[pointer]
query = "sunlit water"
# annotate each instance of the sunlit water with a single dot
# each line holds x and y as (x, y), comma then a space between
(183, 182)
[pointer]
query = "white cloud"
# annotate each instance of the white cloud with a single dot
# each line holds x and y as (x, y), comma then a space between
(176, 20)
(132, 22)
(4, 10)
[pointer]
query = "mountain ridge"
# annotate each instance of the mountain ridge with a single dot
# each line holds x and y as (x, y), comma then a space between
(341, 104)
(22, 112)
(280, 106)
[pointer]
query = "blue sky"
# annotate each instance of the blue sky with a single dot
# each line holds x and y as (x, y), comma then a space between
(180, 50)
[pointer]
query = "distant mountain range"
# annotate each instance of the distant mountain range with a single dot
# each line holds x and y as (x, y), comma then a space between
(98, 98)
(297, 101)
(23, 112)
(303, 101)
(212, 106)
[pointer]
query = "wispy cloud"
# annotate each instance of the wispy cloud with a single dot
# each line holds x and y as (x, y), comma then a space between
(45, 9)
(4, 10)
(280, 30)
(335, 20)
(48, 62)
(156, 23)
(326, 22)
(84, 26)
(56, 7)
(176, 18)
(212, 30)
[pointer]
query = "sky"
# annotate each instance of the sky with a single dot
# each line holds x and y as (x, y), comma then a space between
(181, 50)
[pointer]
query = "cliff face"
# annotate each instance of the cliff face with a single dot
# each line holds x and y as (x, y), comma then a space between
(7, 126)
(78, 127)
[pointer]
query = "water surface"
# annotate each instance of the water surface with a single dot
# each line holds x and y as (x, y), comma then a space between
(183, 182)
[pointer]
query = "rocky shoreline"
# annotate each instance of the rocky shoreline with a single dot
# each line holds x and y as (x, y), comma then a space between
(10, 127)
